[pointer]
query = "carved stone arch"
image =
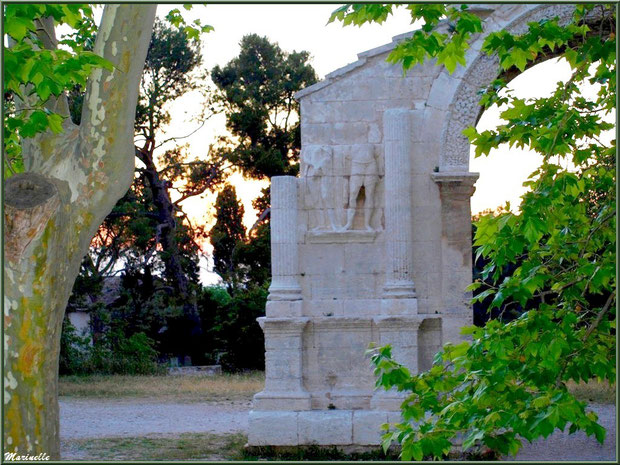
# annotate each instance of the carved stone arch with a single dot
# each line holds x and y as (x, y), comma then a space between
(463, 110)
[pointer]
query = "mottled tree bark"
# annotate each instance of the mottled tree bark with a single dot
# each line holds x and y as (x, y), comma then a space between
(90, 167)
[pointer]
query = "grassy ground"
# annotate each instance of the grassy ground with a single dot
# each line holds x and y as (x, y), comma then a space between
(204, 446)
(198, 446)
(186, 446)
(593, 391)
(230, 387)
(165, 388)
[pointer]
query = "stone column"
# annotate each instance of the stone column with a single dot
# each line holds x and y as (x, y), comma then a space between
(456, 190)
(283, 325)
(397, 132)
(284, 244)
(401, 332)
(283, 365)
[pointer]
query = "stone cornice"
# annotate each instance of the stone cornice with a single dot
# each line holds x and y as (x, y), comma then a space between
(455, 177)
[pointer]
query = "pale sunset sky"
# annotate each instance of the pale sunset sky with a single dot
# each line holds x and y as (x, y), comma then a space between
(303, 27)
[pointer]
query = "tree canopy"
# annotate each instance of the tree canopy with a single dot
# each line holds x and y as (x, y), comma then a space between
(256, 90)
(227, 233)
(555, 257)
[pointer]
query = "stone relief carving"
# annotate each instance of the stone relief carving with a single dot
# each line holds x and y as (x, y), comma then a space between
(333, 185)
(364, 173)
(317, 170)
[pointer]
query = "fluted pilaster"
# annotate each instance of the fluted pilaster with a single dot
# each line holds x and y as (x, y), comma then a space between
(398, 217)
(284, 245)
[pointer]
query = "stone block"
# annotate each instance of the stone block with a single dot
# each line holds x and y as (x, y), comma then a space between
(277, 342)
(319, 112)
(334, 333)
(317, 133)
(434, 121)
(363, 286)
(426, 152)
(375, 136)
(394, 417)
(426, 305)
(442, 91)
(351, 397)
(324, 308)
(361, 307)
(322, 258)
(283, 308)
(272, 428)
(367, 426)
(283, 364)
(339, 90)
(281, 401)
(365, 87)
(357, 110)
(426, 254)
(349, 133)
(330, 427)
(426, 224)
(399, 306)
(451, 327)
(388, 401)
(289, 386)
(363, 258)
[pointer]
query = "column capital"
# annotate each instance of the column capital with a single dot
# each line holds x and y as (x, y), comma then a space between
(283, 325)
(457, 185)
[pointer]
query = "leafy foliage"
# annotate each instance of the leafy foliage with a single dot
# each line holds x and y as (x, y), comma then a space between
(227, 233)
(147, 232)
(233, 337)
(34, 75)
(447, 44)
(112, 353)
(256, 90)
(555, 258)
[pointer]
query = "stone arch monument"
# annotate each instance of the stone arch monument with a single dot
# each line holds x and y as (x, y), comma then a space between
(372, 243)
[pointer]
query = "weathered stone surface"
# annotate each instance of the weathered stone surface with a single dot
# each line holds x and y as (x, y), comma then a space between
(367, 426)
(269, 428)
(331, 427)
(372, 243)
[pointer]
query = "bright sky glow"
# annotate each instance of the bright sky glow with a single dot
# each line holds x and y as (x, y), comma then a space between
(303, 27)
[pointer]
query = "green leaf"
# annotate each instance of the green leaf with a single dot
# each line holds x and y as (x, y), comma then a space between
(55, 123)
(18, 27)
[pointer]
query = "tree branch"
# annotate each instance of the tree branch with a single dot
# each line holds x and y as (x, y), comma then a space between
(183, 137)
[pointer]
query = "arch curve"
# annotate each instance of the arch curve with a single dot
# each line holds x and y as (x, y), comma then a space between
(461, 104)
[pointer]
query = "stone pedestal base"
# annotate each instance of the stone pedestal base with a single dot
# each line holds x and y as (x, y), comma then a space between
(318, 427)
(399, 307)
(285, 400)
(387, 400)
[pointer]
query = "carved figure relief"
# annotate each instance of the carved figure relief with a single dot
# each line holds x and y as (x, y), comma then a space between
(317, 170)
(364, 173)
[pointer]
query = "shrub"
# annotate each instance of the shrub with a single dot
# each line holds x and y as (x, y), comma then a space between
(111, 353)
(233, 337)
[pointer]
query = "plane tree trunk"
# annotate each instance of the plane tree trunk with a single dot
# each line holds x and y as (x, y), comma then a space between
(72, 181)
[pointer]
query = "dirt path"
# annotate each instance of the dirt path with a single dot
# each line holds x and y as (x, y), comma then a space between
(578, 446)
(90, 418)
